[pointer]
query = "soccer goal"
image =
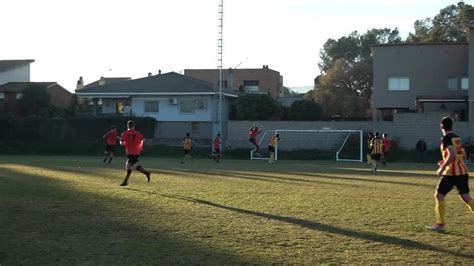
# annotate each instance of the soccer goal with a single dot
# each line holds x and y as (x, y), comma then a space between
(346, 145)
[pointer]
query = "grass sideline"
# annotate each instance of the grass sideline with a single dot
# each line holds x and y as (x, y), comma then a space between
(70, 210)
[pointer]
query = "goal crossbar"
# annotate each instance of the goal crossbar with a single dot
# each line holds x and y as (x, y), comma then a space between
(349, 131)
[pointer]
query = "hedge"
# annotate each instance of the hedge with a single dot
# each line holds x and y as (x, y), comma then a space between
(68, 130)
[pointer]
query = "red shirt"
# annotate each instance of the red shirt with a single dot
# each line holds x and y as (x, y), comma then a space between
(253, 133)
(132, 140)
(111, 137)
(217, 143)
(386, 145)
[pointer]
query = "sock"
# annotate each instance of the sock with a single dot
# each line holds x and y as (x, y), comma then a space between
(128, 173)
(440, 212)
(471, 205)
(110, 159)
(141, 169)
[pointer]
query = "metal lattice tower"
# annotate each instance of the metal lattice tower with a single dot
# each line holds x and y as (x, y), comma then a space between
(220, 44)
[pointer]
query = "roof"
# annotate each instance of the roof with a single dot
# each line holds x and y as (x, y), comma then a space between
(20, 86)
(106, 81)
(171, 82)
(419, 44)
(6, 65)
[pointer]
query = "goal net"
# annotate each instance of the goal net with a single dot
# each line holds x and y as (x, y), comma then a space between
(343, 145)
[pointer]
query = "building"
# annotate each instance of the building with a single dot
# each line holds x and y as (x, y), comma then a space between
(102, 81)
(179, 103)
(249, 80)
(430, 77)
(15, 70)
(11, 92)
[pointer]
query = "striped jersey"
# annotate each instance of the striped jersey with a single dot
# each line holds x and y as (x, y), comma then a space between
(273, 141)
(187, 143)
(457, 166)
(376, 145)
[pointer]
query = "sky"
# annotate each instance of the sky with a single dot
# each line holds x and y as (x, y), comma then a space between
(125, 38)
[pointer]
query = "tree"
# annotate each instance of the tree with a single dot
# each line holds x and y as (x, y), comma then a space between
(345, 84)
(447, 26)
(35, 101)
(255, 107)
(305, 110)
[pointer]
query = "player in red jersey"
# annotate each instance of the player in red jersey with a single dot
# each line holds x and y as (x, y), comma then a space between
(110, 137)
(253, 138)
(132, 140)
(217, 148)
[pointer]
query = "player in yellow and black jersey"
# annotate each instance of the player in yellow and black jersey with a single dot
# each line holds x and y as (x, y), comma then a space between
(187, 145)
(376, 149)
(272, 143)
(453, 172)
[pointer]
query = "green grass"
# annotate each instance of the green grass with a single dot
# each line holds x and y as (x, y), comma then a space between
(70, 210)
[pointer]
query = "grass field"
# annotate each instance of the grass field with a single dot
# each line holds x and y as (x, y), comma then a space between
(70, 210)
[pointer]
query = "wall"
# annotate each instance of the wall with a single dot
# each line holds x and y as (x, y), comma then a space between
(407, 129)
(19, 74)
(170, 112)
(427, 66)
(60, 97)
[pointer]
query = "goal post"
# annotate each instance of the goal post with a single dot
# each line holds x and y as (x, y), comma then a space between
(346, 144)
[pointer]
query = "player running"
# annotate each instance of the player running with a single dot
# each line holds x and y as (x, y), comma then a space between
(110, 137)
(272, 143)
(376, 148)
(217, 148)
(187, 145)
(386, 148)
(132, 140)
(253, 138)
(453, 172)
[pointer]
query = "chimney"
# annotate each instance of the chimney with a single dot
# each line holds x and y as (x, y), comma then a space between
(102, 81)
(159, 71)
(265, 66)
(149, 74)
(80, 84)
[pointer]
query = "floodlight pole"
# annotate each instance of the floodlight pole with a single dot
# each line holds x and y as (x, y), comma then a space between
(220, 44)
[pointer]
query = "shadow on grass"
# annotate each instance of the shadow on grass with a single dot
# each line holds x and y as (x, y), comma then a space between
(390, 240)
(373, 175)
(46, 222)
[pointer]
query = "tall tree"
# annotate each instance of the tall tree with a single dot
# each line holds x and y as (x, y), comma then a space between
(447, 26)
(345, 84)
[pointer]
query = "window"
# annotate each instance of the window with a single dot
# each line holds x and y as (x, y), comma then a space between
(19, 95)
(201, 104)
(152, 106)
(2, 97)
(399, 84)
(464, 84)
(186, 106)
(452, 84)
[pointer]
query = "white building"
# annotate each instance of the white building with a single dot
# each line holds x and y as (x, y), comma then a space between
(15, 71)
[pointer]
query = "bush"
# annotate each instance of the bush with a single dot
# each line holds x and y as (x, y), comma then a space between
(305, 110)
(68, 130)
(255, 107)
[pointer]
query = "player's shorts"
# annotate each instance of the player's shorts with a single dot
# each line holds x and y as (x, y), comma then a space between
(376, 156)
(186, 151)
(448, 182)
(271, 149)
(110, 148)
(217, 151)
(254, 141)
(132, 159)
